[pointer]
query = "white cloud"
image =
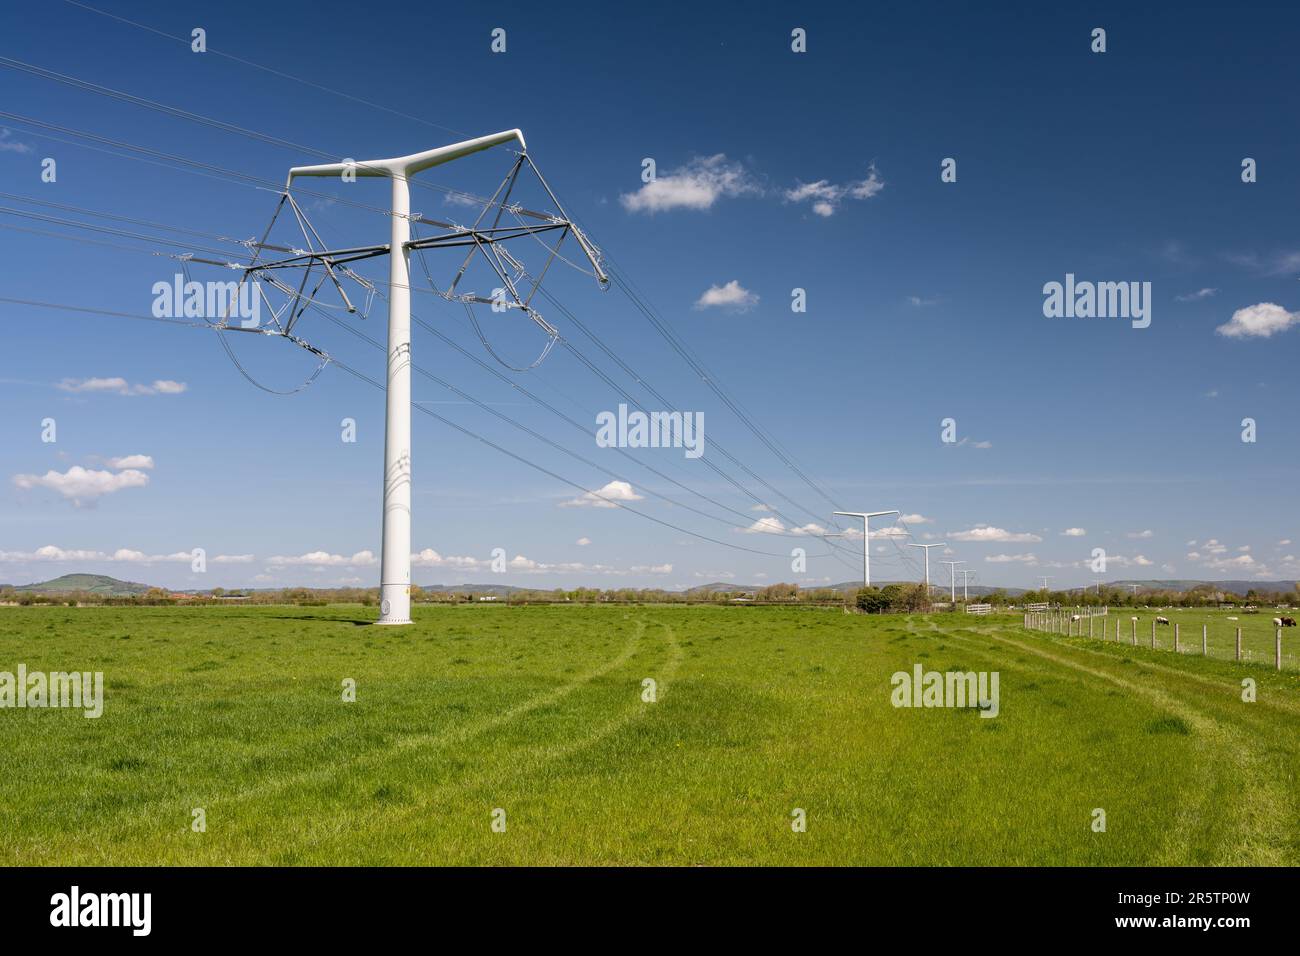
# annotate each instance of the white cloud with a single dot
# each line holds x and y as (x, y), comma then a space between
(697, 185)
(131, 461)
(81, 484)
(606, 497)
(827, 196)
(131, 556)
(324, 559)
(916, 519)
(1197, 295)
(119, 556)
(1029, 558)
(764, 526)
(1074, 532)
(1284, 542)
(889, 531)
(120, 386)
(1258, 321)
(1140, 534)
(429, 558)
(988, 533)
(50, 552)
(583, 542)
(973, 444)
(810, 528)
(733, 297)
(8, 145)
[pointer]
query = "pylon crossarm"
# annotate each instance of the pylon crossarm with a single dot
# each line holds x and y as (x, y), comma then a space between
(313, 237)
(592, 253)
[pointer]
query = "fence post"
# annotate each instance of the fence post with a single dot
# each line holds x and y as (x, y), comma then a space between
(1089, 626)
(1238, 643)
(1135, 632)
(1176, 637)
(1153, 633)
(1277, 649)
(1205, 640)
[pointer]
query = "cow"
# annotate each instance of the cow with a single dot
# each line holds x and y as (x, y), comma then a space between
(1162, 620)
(1288, 622)
(1277, 622)
(1076, 617)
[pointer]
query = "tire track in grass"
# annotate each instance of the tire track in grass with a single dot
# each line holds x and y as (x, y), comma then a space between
(534, 758)
(1285, 704)
(455, 735)
(1220, 744)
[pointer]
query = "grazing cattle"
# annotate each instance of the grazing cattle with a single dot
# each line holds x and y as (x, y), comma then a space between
(1076, 617)
(1162, 620)
(1288, 622)
(1277, 622)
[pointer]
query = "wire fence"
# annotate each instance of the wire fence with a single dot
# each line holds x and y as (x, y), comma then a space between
(1260, 641)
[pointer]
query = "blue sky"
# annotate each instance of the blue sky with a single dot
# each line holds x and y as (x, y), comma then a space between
(924, 298)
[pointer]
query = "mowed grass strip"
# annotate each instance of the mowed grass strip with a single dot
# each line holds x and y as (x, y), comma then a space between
(539, 711)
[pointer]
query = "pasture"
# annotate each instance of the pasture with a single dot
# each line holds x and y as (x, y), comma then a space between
(539, 711)
(1220, 632)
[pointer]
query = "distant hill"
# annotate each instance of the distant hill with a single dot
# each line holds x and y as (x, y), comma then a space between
(498, 589)
(94, 583)
(717, 586)
(1233, 587)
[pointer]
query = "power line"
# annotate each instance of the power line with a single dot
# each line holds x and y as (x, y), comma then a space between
(283, 143)
(626, 285)
(246, 62)
(446, 421)
(318, 305)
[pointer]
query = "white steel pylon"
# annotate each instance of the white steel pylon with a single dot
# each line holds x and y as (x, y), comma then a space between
(866, 517)
(395, 559)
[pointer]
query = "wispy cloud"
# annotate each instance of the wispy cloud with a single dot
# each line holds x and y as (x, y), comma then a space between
(991, 534)
(10, 145)
(120, 386)
(826, 196)
(1028, 558)
(697, 185)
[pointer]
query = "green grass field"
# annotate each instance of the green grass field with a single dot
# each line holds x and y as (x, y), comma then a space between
(539, 711)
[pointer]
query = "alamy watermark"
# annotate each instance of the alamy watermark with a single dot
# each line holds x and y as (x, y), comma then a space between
(75, 908)
(215, 301)
(1098, 300)
(78, 690)
(923, 688)
(654, 430)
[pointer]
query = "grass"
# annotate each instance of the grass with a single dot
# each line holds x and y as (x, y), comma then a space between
(539, 711)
